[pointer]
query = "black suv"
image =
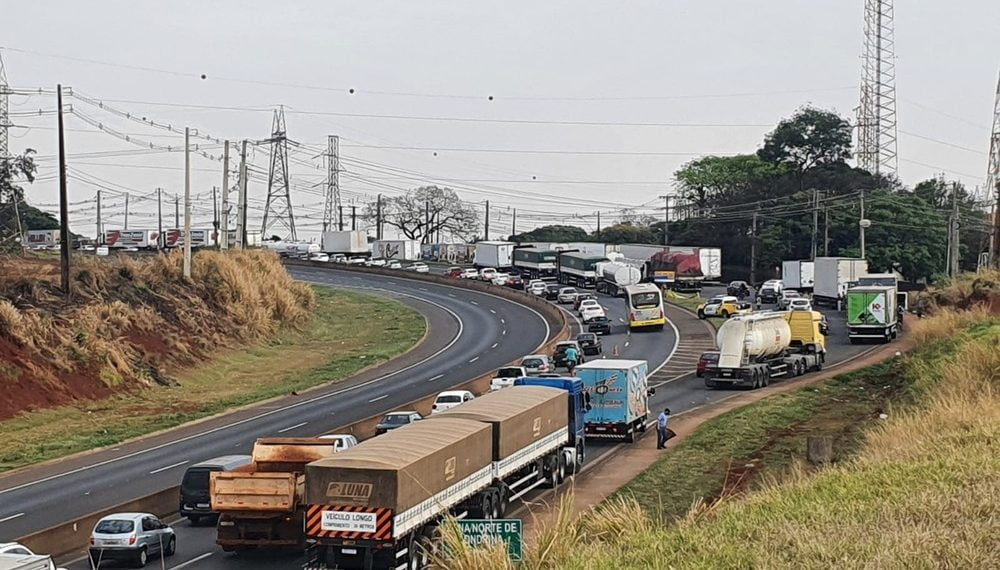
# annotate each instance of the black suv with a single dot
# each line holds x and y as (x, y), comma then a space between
(599, 325)
(552, 291)
(559, 355)
(590, 344)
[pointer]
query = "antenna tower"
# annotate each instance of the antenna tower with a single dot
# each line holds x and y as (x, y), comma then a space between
(876, 115)
(5, 123)
(332, 202)
(278, 209)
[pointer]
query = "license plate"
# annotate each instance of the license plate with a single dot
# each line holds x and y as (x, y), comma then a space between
(112, 542)
(349, 550)
(204, 505)
(726, 374)
(600, 428)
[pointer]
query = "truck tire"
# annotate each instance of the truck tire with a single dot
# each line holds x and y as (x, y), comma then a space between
(765, 380)
(630, 435)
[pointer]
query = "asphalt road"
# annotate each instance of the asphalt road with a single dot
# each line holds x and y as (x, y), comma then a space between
(471, 334)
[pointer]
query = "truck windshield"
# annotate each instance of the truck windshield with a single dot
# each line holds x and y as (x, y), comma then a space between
(645, 300)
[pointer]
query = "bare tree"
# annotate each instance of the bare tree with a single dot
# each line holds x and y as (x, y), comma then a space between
(423, 212)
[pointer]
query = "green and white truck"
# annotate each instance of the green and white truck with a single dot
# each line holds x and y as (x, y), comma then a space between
(871, 313)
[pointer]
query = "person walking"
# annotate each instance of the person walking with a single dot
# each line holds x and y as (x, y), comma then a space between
(571, 357)
(661, 428)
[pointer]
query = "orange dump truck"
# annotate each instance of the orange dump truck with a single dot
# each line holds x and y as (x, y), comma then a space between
(260, 505)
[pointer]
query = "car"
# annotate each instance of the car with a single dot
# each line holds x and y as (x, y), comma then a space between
(533, 281)
(344, 440)
(487, 274)
(580, 298)
(504, 377)
(552, 291)
(500, 279)
(356, 261)
(394, 264)
(394, 420)
(454, 272)
(449, 399)
(376, 262)
(418, 267)
(580, 306)
(321, 257)
(567, 295)
(590, 343)
(710, 358)
(17, 555)
(735, 287)
(515, 282)
(130, 536)
(592, 312)
(786, 297)
(799, 305)
(537, 364)
(599, 325)
(537, 288)
(824, 326)
(469, 273)
(770, 291)
(338, 258)
(196, 502)
(559, 354)
(723, 306)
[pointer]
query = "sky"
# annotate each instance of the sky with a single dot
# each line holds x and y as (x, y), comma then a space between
(557, 109)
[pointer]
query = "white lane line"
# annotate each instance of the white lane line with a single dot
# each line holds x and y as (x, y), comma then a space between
(451, 294)
(192, 561)
(495, 345)
(435, 378)
(11, 517)
(473, 360)
(627, 342)
(504, 331)
(677, 342)
(178, 464)
(474, 303)
(382, 397)
(290, 428)
(503, 322)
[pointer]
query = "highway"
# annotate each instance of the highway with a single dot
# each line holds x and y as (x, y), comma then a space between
(471, 333)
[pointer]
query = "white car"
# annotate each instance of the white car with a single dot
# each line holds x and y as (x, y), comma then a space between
(504, 377)
(487, 274)
(588, 303)
(376, 262)
(567, 295)
(537, 288)
(15, 550)
(800, 304)
(338, 258)
(356, 261)
(449, 399)
(344, 440)
(394, 265)
(419, 267)
(500, 279)
(322, 257)
(589, 312)
(469, 273)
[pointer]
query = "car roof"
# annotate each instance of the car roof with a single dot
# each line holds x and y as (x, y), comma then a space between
(125, 516)
(454, 393)
(545, 356)
(401, 413)
(225, 461)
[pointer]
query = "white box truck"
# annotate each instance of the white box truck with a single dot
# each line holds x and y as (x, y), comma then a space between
(798, 274)
(347, 242)
(398, 249)
(833, 275)
(498, 254)
(42, 239)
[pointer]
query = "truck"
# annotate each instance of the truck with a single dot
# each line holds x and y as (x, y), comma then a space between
(142, 239)
(619, 397)
(871, 313)
(199, 238)
(614, 276)
(261, 505)
(798, 274)
(757, 347)
(498, 254)
(833, 275)
(41, 239)
(685, 268)
(398, 249)
(535, 263)
(26, 562)
(380, 504)
(294, 249)
(579, 269)
(348, 242)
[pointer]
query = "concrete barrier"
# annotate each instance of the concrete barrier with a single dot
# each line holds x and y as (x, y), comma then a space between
(70, 539)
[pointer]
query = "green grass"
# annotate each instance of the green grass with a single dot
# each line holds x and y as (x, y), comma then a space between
(691, 301)
(348, 332)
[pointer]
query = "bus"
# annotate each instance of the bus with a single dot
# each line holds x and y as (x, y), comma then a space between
(645, 306)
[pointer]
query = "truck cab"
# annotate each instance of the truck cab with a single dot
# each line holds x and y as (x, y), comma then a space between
(579, 405)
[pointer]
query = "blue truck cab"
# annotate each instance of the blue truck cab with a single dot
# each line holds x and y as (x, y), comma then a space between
(579, 405)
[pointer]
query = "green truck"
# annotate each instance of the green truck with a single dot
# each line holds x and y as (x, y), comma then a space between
(871, 313)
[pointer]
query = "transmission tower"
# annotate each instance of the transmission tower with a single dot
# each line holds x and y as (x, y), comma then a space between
(332, 202)
(992, 190)
(876, 114)
(5, 123)
(278, 209)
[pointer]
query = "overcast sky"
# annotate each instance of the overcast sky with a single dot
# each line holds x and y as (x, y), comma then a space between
(731, 69)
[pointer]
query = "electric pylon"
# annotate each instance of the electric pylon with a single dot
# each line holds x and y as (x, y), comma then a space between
(876, 114)
(278, 209)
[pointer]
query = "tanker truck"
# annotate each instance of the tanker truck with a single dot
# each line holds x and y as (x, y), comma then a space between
(614, 276)
(755, 348)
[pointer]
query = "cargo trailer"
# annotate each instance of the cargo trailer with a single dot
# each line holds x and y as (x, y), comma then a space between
(579, 269)
(871, 313)
(798, 275)
(614, 276)
(347, 242)
(496, 254)
(199, 238)
(142, 239)
(535, 263)
(619, 397)
(41, 239)
(397, 249)
(833, 275)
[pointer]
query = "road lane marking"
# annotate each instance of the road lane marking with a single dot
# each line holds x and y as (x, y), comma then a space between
(435, 378)
(192, 561)
(473, 360)
(492, 311)
(178, 464)
(382, 397)
(290, 428)
(11, 517)
(474, 303)
(503, 322)
(504, 331)
(495, 345)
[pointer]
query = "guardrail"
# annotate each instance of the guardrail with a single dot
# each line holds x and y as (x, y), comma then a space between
(70, 539)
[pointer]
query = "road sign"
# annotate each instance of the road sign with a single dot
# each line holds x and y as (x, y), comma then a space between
(483, 531)
(664, 276)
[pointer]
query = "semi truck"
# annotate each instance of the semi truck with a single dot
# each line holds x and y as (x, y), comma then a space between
(535, 263)
(619, 397)
(347, 242)
(261, 505)
(142, 239)
(398, 249)
(294, 249)
(871, 313)
(579, 269)
(798, 275)
(755, 348)
(41, 239)
(199, 238)
(614, 276)
(380, 504)
(497, 254)
(833, 275)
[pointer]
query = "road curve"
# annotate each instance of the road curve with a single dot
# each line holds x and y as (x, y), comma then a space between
(471, 333)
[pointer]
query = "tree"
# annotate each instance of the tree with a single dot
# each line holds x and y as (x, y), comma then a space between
(811, 138)
(627, 233)
(714, 180)
(552, 234)
(630, 216)
(423, 212)
(12, 171)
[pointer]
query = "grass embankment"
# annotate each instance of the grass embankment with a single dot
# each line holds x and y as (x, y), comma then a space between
(919, 489)
(348, 332)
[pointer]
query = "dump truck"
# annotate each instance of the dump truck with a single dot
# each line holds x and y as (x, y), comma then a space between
(755, 348)
(614, 276)
(261, 505)
(871, 313)
(380, 504)
(619, 397)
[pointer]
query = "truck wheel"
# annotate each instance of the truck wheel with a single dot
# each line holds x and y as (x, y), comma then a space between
(502, 501)
(630, 435)
(561, 460)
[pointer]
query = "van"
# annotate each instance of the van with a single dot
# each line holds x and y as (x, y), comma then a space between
(195, 498)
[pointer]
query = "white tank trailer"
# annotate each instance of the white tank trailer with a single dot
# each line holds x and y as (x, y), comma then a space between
(755, 348)
(614, 276)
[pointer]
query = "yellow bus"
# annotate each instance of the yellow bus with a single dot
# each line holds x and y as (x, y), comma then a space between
(645, 306)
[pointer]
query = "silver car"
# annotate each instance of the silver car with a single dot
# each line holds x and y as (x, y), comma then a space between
(133, 537)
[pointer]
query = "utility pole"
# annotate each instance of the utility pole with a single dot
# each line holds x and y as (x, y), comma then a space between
(993, 182)
(187, 203)
(332, 198)
(100, 233)
(224, 241)
(241, 201)
(354, 217)
(215, 214)
(63, 203)
(753, 249)
(666, 219)
(126, 210)
(598, 224)
(487, 229)
(159, 218)
(954, 266)
(177, 212)
(5, 125)
(826, 231)
(340, 224)
(815, 234)
(378, 217)
(861, 225)
(513, 224)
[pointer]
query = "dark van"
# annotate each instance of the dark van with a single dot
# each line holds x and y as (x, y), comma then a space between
(195, 500)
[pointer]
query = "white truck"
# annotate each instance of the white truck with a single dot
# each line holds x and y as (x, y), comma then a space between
(42, 239)
(757, 347)
(199, 238)
(498, 254)
(397, 249)
(142, 239)
(613, 276)
(833, 276)
(294, 249)
(347, 242)
(798, 274)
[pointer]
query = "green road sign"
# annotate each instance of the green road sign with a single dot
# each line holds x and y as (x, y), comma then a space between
(483, 531)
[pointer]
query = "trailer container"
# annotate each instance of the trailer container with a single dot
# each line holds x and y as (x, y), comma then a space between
(535, 263)
(579, 269)
(833, 275)
(398, 249)
(798, 275)
(614, 276)
(348, 242)
(41, 239)
(199, 238)
(871, 313)
(619, 397)
(142, 239)
(497, 254)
